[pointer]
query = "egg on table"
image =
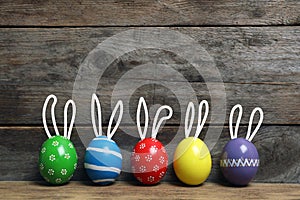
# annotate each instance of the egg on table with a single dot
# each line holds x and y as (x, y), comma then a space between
(192, 160)
(149, 159)
(240, 160)
(103, 158)
(58, 157)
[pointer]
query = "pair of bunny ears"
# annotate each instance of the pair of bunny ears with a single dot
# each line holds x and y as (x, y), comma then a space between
(156, 123)
(190, 119)
(249, 136)
(99, 132)
(67, 132)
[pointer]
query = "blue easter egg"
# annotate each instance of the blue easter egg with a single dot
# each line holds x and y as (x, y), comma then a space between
(103, 160)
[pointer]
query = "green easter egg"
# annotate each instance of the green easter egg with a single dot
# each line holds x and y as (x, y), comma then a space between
(57, 160)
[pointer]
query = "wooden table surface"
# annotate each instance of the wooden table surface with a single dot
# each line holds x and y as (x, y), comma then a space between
(124, 190)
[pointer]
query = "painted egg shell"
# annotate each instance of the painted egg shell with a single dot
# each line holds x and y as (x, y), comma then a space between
(239, 161)
(103, 160)
(149, 161)
(192, 161)
(57, 160)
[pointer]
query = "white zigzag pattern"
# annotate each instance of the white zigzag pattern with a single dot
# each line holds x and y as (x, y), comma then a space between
(239, 162)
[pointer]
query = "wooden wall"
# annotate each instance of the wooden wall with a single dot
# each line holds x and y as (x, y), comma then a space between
(255, 45)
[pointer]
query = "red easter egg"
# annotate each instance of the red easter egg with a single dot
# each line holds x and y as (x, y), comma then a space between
(149, 161)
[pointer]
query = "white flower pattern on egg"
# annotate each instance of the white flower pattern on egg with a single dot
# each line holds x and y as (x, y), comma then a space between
(58, 180)
(161, 174)
(161, 159)
(153, 149)
(55, 143)
(43, 150)
(142, 168)
(156, 168)
(142, 146)
(150, 179)
(52, 157)
(42, 166)
(51, 172)
(63, 171)
(148, 158)
(67, 156)
(137, 158)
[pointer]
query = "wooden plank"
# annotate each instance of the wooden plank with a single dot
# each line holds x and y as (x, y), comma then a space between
(259, 67)
(278, 147)
(123, 190)
(149, 12)
(280, 103)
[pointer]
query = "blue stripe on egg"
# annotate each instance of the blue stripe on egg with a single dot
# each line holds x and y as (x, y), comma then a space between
(103, 160)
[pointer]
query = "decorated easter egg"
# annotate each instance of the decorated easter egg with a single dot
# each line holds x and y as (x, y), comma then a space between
(239, 161)
(57, 160)
(149, 161)
(103, 160)
(192, 161)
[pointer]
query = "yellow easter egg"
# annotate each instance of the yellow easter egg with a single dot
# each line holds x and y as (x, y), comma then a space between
(192, 161)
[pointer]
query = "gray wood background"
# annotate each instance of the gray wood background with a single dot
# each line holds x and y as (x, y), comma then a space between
(255, 45)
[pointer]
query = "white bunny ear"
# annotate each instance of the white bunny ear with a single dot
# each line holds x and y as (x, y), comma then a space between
(201, 122)
(110, 133)
(138, 120)
(261, 118)
(188, 123)
(67, 133)
(51, 96)
(156, 124)
(96, 100)
(234, 135)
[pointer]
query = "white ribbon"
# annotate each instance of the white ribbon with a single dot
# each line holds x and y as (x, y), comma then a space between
(156, 124)
(234, 135)
(67, 133)
(138, 119)
(110, 133)
(261, 118)
(188, 126)
(96, 100)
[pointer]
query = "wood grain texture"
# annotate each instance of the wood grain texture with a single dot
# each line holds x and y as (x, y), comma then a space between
(278, 147)
(259, 63)
(149, 12)
(259, 67)
(122, 190)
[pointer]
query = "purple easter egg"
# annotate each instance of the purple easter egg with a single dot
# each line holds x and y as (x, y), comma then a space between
(239, 161)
